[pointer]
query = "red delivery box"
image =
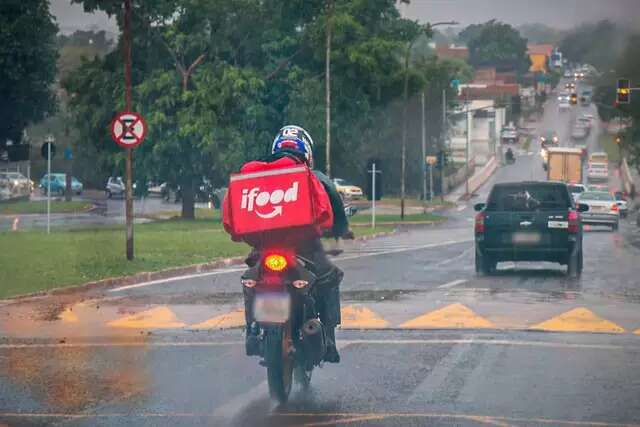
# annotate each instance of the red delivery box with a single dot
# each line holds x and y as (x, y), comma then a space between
(270, 200)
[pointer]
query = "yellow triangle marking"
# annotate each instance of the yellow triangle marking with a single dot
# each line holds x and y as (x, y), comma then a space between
(155, 318)
(233, 319)
(68, 316)
(452, 316)
(578, 320)
(637, 332)
(356, 317)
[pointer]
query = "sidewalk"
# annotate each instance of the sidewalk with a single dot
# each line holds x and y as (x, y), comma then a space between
(479, 177)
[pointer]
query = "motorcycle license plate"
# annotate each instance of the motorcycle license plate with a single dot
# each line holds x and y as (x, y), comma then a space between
(271, 307)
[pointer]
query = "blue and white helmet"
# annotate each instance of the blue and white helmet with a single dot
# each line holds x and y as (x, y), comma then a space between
(294, 138)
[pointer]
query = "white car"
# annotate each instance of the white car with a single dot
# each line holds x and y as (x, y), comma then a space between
(598, 172)
(576, 190)
(603, 209)
(115, 187)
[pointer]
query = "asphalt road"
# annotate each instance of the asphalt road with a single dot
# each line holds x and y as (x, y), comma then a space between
(423, 341)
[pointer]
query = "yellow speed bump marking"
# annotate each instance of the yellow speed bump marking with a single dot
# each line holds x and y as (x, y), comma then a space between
(233, 319)
(452, 316)
(637, 332)
(68, 316)
(156, 318)
(356, 317)
(578, 320)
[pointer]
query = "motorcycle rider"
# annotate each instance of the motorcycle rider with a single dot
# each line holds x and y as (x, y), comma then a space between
(295, 143)
(509, 155)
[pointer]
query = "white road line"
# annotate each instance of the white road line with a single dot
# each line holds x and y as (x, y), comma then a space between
(452, 284)
(236, 270)
(455, 258)
(461, 208)
(342, 343)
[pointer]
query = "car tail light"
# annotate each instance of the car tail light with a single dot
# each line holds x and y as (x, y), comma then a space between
(573, 218)
(615, 208)
(275, 262)
(479, 225)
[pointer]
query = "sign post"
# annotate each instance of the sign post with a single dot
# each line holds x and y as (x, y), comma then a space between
(373, 171)
(431, 160)
(48, 150)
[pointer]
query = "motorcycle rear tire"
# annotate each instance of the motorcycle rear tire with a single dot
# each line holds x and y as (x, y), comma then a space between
(280, 362)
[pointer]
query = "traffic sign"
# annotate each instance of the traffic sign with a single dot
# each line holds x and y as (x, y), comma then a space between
(68, 153)
(432, 160)
(128, 129)
(44, 150)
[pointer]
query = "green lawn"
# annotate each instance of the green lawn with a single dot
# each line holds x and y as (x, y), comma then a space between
(31, 261)
(608, 144)
(39, 207)
(365, 218)
(395, 201)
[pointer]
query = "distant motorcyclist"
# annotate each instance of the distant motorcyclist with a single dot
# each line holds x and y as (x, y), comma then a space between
(295, 143)
(509, 155)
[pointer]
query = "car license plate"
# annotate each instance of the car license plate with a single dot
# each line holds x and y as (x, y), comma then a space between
(271, 307)
(526, 238)
(558, 224)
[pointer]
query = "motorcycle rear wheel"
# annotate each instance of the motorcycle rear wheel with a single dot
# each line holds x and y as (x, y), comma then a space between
(278, 355)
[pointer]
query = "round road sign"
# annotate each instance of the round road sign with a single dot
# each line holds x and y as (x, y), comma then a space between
(128, 129)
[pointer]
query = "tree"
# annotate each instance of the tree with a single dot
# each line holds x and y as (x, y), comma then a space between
(27, 65)
(540, 33)
(497, 44)
(599, 44)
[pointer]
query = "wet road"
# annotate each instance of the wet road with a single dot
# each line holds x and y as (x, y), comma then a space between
(423, 341)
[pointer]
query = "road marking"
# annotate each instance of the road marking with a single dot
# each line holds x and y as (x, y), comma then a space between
(156, 318)
(452, 284)
(236, 270)
(341, 343)
(461, 208)
(579, 319)
(452, 316)
(233, 319)
(358, 317)
(637, 332)
(455, 258)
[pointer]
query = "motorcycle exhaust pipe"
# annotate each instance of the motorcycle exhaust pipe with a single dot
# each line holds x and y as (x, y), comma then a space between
(314, 343)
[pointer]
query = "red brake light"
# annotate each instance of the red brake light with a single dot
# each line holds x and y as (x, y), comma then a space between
(615, 208)
(573, 218)
(275, 262)
(479, 225)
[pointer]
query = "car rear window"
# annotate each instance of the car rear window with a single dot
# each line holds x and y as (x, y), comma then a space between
(598, 166)
(518, 198)
(601, 196)
(576, 189)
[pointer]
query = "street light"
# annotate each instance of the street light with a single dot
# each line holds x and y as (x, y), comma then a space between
(427, 30)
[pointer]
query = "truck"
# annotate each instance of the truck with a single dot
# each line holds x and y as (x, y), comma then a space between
(565, 165)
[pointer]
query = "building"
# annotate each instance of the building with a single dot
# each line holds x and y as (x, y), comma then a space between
(452, 52)
(539, 54)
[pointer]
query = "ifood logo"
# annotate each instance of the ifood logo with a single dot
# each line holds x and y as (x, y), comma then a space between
(254, 199)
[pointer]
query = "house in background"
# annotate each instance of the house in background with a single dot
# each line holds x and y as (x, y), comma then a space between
(451, 51)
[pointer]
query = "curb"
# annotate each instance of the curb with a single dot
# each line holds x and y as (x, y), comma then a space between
(103, 284)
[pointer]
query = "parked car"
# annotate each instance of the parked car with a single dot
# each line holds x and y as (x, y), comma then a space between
(603, 209)
(622, 203)
(115, 187)
(528, 221)
(17, 184)
(59, 185)
(347, 190)
(598, 172)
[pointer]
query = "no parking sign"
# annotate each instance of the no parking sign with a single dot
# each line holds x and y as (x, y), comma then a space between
(128, 129)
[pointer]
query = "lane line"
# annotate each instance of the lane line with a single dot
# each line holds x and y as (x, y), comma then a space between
(344, 343)
(452, 284)
(455, 258)
(236, 270)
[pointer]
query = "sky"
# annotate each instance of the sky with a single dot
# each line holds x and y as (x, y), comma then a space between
(555, 13)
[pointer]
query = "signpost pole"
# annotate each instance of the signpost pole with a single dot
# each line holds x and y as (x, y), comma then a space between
(373, 195)
(129, 161)
(49, 142)
(430, 182)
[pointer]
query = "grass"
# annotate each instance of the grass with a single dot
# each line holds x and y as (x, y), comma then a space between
(32, 261)
(382, 219)
(395, 201)
(39, 207)
(608, 144)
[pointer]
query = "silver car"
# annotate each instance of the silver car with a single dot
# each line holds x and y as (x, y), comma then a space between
(603, 209)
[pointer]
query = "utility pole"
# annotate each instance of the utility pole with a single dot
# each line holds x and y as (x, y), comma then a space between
(424, 152)
(327, 72)
(466, 161)
(129, 159)
(444, 136)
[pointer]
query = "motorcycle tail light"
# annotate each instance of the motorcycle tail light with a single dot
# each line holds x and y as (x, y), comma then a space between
(573, 218)
(275, 262)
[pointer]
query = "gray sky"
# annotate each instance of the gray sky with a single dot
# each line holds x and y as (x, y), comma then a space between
(555, 13)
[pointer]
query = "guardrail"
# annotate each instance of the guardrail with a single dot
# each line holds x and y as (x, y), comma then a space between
(483, 175)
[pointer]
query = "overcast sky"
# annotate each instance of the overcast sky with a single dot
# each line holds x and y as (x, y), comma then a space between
(555, 13)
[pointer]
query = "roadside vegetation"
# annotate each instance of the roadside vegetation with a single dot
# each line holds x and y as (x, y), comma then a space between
(608, 144)
(32, 261)
(40, 207)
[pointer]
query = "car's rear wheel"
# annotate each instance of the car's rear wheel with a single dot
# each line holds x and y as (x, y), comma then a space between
(485, 265)
(574, 266)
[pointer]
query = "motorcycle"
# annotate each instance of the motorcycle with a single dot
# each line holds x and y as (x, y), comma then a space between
(280, 289)
(510, 158)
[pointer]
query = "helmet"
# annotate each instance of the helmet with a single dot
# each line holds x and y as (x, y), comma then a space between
(294, 138)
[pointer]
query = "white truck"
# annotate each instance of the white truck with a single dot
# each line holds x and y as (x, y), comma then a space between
(564, 164)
